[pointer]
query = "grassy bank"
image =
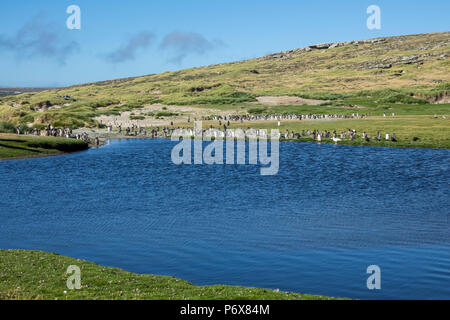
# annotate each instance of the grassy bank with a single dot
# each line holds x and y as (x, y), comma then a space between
(431, 132)
(28, 274)
(16, 146)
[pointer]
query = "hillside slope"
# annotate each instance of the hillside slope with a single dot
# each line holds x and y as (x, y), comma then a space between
(408, 69)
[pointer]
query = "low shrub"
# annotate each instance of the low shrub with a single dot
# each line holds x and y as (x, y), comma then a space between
(7, 127)
(257, 110)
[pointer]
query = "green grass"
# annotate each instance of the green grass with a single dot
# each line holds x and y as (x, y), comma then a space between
(162, 114)
(7, 127)
(432, 133)
(338, 76)
(15, 146)
(40, 275)
(135, 117)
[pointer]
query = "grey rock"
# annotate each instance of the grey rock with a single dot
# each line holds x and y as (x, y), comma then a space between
(321, 46)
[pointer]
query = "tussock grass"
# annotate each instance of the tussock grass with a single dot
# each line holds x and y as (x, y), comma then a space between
(12, 146)
(7, 127)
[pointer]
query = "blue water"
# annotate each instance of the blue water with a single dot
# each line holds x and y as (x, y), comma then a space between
(315, 227)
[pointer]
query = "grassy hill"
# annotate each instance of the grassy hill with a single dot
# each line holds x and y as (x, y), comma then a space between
(37, 275)
(11, 91)
(406, 75)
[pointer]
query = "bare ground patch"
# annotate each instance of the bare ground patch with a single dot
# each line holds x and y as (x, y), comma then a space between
(287, 100)
(184, 112)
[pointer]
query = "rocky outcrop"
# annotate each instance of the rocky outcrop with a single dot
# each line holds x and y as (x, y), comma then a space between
(388, 63)
(42, 106)
(409, 60)
(385, 44)
(321, 46)
(379, 66)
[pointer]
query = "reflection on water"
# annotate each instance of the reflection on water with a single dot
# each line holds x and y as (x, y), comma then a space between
(315, 227)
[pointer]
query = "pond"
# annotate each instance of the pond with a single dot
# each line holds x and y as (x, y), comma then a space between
(315, 227)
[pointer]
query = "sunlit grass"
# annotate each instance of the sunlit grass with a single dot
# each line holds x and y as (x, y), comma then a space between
(40, 275)
(12, 146)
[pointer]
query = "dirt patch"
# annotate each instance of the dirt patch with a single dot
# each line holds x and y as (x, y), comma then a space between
(442, 98)
(287, 100)
(184, 112)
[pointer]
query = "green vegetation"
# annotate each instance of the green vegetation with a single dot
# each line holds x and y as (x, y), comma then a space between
(39, 275)
(360, 106)
(431, 132)
(15, 146)
(261, 110)
(6, 127)
(413, 80)
(219, 94)
(161, 114)
(134, 117)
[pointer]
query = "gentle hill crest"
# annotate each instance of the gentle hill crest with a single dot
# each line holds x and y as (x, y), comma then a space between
(408, 69)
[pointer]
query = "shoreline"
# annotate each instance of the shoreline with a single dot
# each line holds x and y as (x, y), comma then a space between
(18, 269)
(104, 136)
(381, 143)
(32, 156)
(16, 147)
(102, 143)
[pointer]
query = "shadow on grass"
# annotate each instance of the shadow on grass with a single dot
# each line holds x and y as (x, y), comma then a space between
(19, 148)
(12, 140)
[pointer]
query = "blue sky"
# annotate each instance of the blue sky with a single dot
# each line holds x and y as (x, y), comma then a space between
(137, 37)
